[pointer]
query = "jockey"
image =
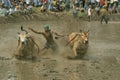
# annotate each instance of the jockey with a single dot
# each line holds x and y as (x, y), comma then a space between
(48, 35)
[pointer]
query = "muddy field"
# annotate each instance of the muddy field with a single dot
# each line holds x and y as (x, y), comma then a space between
(100, 62)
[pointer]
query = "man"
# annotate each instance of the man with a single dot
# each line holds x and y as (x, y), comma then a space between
(48, 34)
(89, 13)
(104, 15)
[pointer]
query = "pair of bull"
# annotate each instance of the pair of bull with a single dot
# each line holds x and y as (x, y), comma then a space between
(27, 44)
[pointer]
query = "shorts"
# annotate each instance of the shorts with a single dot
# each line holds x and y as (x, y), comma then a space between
(53, 46)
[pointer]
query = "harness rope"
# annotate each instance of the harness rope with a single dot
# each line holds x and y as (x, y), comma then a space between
(35, 44)
(72, 39)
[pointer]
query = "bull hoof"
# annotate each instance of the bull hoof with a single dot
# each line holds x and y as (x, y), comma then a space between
(17, 56)
(75, 55)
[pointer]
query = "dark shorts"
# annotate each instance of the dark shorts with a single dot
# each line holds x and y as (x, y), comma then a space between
(53, 46)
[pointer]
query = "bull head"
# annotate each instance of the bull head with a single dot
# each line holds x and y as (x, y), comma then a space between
(23, 37)
(85, 36)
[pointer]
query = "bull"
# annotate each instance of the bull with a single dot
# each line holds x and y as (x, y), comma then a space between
(78, 39)
(26, 45)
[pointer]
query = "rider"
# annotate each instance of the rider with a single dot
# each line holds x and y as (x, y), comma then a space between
(48, 35)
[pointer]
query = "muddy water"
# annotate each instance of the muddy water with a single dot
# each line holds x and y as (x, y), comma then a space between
(101, 61)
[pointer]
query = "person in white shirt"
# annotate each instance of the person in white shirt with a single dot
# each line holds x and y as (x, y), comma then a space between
(115, 2)
(27, 2)
(89, 13)
(11, 10)
(98, 2)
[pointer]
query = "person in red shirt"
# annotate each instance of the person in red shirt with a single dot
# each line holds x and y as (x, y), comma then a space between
(102, 3)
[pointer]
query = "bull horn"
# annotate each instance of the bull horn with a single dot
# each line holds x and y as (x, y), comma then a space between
(80, 30)
(23, 30)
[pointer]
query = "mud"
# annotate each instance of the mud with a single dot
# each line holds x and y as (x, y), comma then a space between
(100, 62)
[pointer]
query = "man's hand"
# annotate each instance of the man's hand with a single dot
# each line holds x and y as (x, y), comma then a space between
(30, 28)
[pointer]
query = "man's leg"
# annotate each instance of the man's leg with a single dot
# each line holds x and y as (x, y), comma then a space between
(105, 19)
(101, 20)
(46, 46)
(54, 47)
(89, 17)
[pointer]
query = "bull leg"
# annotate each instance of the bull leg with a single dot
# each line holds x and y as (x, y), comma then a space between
(75, 47)
(75, 51)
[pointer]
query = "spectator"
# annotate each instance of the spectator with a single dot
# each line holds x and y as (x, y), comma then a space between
(6, 3)
(11, 10)
(104, 15)
(3, 10)
(102, 3)
(40, 3)
(98, 2)
(86, 4)
(75, 12)
(46, 3)
(27, 2)
(76, 3)
(97, 9)
(111, 2)
(43, 8)
(92, 2)
(89, 13)
(67, 5)
(116, 2)
(35, 2)
(109, 9)
(53, 5)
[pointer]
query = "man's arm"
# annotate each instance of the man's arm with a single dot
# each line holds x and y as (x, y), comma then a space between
(35, 31)
(57, 33)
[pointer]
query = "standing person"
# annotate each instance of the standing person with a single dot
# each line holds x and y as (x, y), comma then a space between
(67, 5)
(27, 2)
(3, 11)
(35, 2)
(98, 2)
(89, 13)
(7, 3)
(75, 12)
(48, 35)
(102, 3)
(104, 15)
(86, 5)
(92, 2)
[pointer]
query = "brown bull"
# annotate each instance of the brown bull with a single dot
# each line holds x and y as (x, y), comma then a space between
(77, 40)
(26, 45)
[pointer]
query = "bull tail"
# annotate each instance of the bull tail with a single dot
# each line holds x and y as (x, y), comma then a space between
(37, 47)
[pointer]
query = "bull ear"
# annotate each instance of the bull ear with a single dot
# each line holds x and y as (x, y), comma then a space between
(18, 33)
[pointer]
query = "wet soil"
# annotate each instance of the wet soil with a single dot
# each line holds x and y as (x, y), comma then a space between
(100, 62)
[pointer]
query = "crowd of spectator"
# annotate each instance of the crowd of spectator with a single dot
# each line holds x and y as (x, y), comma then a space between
(8, 7)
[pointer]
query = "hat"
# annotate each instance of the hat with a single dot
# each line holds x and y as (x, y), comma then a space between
(47, 27)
